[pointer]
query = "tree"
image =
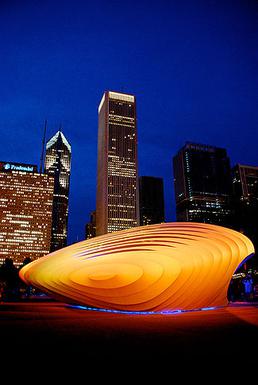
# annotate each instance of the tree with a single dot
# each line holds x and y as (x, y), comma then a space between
(9, 280)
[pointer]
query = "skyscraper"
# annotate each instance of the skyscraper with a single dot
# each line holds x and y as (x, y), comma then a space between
(25, 212)
(58, 164)
(117, 174)
(245, 195)
(151, 200)
(203, 187)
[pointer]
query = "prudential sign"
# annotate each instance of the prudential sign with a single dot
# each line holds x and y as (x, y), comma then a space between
(17, 167)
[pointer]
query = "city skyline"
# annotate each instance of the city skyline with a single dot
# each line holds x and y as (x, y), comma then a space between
(193, 76)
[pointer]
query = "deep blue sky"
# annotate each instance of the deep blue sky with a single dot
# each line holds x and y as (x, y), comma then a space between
(191, 64)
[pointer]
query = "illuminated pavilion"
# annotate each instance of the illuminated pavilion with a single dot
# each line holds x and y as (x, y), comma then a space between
(158, 268)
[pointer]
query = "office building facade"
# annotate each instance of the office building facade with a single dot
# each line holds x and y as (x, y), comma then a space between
(203, 186)
(90, 227)
(25, 212)
(58, 165)
(245, 201)
(151, 200)
(117, 173)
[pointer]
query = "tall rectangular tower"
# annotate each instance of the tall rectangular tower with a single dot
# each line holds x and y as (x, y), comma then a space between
(58, 164)
(202, 180)
(117, 175)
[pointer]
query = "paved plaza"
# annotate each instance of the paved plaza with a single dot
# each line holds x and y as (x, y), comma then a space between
(49, 329)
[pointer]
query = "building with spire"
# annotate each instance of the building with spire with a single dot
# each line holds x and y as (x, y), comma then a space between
(58, 164)
(117, 174)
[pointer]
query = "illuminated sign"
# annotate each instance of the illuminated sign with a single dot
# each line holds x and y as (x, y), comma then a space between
(6, 166)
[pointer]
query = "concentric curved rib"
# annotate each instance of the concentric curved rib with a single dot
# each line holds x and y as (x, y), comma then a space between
(159, 267)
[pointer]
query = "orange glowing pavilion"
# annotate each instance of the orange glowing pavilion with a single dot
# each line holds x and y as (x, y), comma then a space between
(161, 267)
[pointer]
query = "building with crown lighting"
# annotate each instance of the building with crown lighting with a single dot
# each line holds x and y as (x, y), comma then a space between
(117, 173)
(25, 212)
(58, 164)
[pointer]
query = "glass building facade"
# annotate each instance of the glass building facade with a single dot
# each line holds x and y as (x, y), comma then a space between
(245, 197)
(151, 200)
(117, 174)
(58, 164)
(25, 212)
(203, 186)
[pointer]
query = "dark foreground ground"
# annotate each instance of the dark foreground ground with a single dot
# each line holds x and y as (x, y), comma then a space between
(45, 332)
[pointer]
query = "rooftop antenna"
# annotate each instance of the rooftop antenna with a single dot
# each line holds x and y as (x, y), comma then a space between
(60, 127)
(43, 147)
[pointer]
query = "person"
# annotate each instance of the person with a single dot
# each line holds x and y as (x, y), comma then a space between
(1, 291)
(234, 290)
(248, 287)
(24, 288)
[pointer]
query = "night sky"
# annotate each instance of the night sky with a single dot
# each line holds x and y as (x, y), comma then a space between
(191, 64)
